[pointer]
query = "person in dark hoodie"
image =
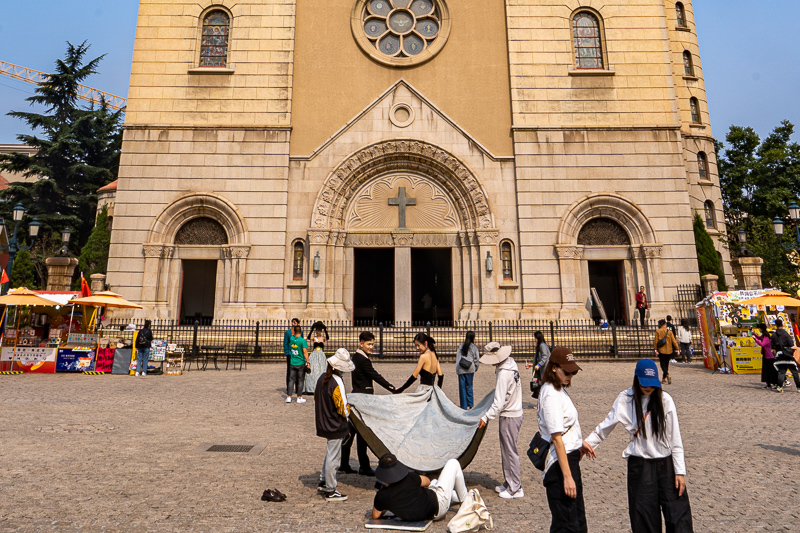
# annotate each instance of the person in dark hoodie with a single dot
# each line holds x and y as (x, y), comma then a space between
(362, 378)
(783, 348)
(331, 416)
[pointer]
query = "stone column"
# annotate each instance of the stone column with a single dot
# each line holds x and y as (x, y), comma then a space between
(487, 241)
(317, 242)
(402, 276)
(709, 283)
(747, 271)
(569, 266)
(97, 283)
(59, 272)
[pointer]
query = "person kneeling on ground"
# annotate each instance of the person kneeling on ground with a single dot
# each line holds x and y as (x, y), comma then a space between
(331, 417)
(413, 497)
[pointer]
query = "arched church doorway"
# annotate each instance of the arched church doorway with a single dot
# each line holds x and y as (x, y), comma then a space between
(199, 275)
(606, 276)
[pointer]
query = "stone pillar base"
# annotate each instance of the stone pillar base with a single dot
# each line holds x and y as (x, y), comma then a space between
(710, 283)
(98, 282)
(59, 272)
(747, 271)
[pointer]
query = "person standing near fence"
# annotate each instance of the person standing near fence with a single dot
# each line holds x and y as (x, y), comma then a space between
(467, 359)
(287, 348)
(665, 345)
(656, 469)
(542, 355)
(507, 408)
(299, 361)
(144, 341)
(642, 305)
(685, 341)
(318, 336)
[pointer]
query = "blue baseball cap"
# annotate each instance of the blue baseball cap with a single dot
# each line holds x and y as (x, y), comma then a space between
(647, 372)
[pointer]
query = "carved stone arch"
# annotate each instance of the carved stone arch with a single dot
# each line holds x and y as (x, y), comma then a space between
(606, 205)
(386, 157)
(197, 205)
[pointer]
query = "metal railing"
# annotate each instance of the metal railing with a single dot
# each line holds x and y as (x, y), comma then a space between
(264, 339)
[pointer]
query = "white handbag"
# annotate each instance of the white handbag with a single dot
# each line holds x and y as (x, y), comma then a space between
(471, 515)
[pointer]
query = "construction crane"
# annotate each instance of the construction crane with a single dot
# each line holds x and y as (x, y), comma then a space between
(84, 93)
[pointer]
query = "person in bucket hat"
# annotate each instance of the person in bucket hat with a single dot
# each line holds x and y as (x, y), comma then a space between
(656, 468)
(414, 497)
(507, 407)
(331, 416)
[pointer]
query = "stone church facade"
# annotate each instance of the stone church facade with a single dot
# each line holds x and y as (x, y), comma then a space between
(405, 160)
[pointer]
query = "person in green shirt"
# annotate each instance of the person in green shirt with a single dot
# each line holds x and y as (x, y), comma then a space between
(298, 361)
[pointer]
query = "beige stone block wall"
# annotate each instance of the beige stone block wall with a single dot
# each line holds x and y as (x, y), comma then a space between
(255, 92)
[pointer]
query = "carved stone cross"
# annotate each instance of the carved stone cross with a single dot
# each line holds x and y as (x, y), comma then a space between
(401, 202)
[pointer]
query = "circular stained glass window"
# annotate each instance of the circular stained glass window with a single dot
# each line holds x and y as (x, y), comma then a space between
(401, 32)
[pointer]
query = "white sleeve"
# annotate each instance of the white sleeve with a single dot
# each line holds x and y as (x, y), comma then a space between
(605, 427)
(553, 413)
(500, 392)
(674, 436)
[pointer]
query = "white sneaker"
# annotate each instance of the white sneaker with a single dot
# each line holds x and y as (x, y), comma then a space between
(288, 399)
(301, 400)
(137, 373)
(144, 374)
(499, 488)
(673, 361)
(507, 495)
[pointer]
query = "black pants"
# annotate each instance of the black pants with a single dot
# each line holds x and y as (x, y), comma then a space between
(642, 312)
(651, 492)
(569, 514)
(686, 354)
(288, 368)
(664, 360)
(361, 450)
(783, 366)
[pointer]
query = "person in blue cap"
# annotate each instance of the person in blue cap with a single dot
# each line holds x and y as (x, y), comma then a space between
(656, 469)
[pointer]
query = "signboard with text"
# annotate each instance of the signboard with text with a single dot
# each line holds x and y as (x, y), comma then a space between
(28, 359)
(72, 360)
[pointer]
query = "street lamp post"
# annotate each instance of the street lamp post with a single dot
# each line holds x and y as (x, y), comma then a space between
(777, 226)
(14, 245)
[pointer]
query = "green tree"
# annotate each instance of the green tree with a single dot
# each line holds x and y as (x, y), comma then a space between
(94, 255)
(707, 256)
(78, 150)
(22, 272)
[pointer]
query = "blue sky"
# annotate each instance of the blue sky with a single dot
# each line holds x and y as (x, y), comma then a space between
(745, 47)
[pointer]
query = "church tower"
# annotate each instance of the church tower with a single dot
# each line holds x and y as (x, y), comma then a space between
(412, 160)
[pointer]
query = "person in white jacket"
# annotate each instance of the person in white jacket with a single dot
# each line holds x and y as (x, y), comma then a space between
(685, 341)
(507, 407)
(656, 468)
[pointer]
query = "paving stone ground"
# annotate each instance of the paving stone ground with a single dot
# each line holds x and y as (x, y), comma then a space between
(116, 453)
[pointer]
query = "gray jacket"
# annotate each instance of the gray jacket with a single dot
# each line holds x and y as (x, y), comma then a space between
(473, 355)
(543, 356)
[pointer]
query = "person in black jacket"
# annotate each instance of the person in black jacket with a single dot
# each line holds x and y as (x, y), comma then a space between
(331, 414)
(144, 341)
(782, 347)
(362, 379)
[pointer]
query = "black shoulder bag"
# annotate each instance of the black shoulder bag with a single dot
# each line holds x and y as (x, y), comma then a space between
(539, 449)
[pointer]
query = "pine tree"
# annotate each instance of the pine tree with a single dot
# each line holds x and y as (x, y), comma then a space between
(22, 272)
(77, 152)
(94, 255)
(707, 257)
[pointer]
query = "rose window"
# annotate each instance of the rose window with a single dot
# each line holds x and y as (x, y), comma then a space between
(402, 31)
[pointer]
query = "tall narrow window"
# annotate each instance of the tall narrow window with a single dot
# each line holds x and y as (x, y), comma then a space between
(680, 12)
(297, 261)
(505, 256)
(710, 219)
(702, 165)
(587, 40)
(688, 64)
(694, 105)
(215, 38)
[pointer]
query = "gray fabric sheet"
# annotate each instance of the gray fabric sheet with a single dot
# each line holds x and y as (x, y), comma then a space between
(424, 428)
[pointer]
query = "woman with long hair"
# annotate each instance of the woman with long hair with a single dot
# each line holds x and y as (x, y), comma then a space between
(467, 358)
(542, 354)
(656, 470)
(559, 425)
(427, 365)
(769, 374)
(317, 337)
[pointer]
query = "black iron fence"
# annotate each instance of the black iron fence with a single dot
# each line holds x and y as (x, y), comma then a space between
(264, 339)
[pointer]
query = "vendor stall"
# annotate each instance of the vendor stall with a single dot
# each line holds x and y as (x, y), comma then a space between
(22, 348)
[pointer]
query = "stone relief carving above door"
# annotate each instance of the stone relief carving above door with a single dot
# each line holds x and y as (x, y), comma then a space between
(432, 208)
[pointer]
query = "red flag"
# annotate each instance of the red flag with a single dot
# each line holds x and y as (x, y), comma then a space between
(85, 290)
(4, 278)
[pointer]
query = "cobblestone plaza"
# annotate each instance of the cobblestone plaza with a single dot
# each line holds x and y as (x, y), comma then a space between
(118, 453)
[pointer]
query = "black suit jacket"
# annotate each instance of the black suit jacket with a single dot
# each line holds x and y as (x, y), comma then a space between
(364, 374)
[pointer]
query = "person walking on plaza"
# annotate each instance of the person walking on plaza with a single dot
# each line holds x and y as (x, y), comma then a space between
(769, 374)
(665, 345)
(331, 414)
(542, 354)
(144, 341)
(507, 405)
(299, 361)
(656, 469)
(287, 335)
(559, 425)
(685, 341)
(362, 377)
(427, 366)
(318, 336)
(642, 305)
(467, 358)
(783, 349)
(413, 497)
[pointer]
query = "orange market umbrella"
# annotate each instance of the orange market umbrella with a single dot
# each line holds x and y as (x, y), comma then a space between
(106, 299)
(772, 299)
(23, 296)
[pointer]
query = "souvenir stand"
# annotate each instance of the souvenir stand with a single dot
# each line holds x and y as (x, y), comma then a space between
(22, 347)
